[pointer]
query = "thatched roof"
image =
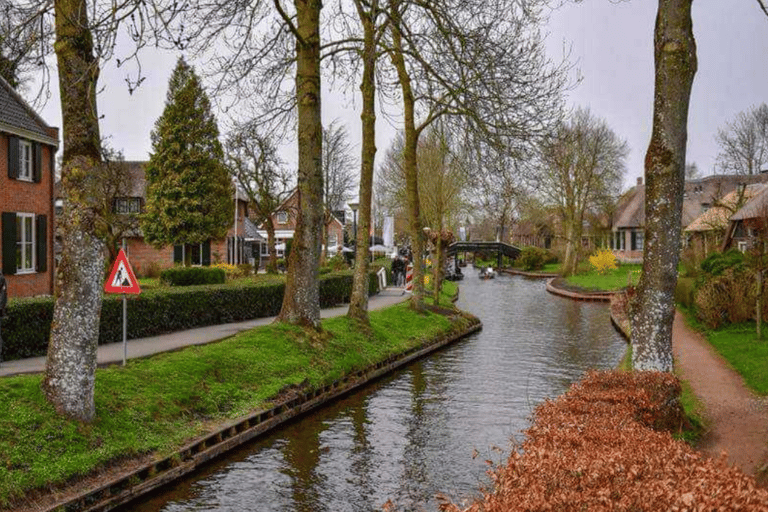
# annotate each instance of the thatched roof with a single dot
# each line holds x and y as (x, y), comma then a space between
(717, 217)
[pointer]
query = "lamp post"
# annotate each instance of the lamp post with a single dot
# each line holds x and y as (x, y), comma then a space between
(354, 207)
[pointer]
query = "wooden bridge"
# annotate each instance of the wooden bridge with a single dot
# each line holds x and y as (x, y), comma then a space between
(500, 248)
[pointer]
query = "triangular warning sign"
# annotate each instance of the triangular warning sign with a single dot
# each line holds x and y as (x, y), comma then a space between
(121, 279)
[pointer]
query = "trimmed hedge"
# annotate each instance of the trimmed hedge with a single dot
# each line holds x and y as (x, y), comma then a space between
(189, 276)
(27, 327)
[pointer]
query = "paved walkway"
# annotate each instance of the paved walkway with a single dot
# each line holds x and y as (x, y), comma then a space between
(737, 418)
(140, 347)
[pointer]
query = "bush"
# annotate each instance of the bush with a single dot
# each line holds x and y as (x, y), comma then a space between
(188, 276)
(27, 327)
(685, 292)
(151, 270)
(603, 261)
(726, 298)
(717, 263)
(533, 258)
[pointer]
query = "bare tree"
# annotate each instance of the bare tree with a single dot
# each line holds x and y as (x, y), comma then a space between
(115, 187)
(744, 142)
(261, 174)
(692, 171)
(653, 307)
(338, 168)
(581, 164)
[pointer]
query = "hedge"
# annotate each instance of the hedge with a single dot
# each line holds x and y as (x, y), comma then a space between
(26, 329)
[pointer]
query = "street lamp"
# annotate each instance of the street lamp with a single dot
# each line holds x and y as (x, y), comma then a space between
(354, 207)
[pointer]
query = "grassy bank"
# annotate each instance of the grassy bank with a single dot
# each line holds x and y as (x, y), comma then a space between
(154, 405)
(611, 280)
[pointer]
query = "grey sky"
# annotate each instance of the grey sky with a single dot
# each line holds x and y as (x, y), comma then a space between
(612, 45)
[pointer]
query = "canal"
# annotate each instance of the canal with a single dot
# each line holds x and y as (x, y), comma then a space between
(425, 430)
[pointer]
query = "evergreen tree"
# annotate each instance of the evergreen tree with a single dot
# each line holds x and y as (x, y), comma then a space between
(189, 192)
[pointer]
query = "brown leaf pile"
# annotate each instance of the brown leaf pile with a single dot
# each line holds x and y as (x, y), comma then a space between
(606, 445)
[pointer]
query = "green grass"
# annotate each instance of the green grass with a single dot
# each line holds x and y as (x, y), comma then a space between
(551, 268)
(625, 365)
(612, 280)
(694, 411)
(154, 405)
(739, 345)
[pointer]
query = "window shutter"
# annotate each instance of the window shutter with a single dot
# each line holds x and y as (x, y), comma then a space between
(178, 254)
(41, 243)
(52, 161)
(206, 253)
(13, 157)
(37, 162)
(634, 241)
(9, 243)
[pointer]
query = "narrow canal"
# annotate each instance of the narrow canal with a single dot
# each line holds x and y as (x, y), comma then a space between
(424, 430)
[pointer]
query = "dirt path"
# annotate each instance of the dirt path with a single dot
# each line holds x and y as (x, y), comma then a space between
(737, 419)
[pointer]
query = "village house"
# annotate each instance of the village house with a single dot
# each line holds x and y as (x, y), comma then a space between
(284, 218)
(699, 195)
(27, 151)
(144, 258)
(749, 223)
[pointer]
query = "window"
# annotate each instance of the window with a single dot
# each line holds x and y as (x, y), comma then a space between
(25, 242)
(196, 254)
(282, 217)
(128, 205)
(743, 246)
(25, 160)
(639, 240)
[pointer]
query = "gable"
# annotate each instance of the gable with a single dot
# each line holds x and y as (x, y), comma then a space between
(18, 118)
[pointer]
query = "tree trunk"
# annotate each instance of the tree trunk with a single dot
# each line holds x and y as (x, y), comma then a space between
(569, 260)
(301, 302)
(358, 303)
(410, 161)
(272, 263)
(70, 369)
(653, 310)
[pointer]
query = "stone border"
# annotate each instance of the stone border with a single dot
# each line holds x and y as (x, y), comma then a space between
(594, 296)
(134, 484)
(524, 273)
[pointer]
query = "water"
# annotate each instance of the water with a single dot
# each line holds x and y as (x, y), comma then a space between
(425, 430)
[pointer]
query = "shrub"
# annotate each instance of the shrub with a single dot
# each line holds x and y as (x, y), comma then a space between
(726, 298)
(151, 270)
(685, 291)
(603, 261)
(188, 276)
(246, 269)
(532, 258)
(717, 263)
(27, 327)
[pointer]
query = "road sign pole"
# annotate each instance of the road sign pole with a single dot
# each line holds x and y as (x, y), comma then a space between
(125, 329)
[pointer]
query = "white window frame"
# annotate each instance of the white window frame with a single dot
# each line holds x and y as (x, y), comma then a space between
(127, 205)
(25, 247)
(639, 240)
(26, 160)
(282, 217)
(743, 246)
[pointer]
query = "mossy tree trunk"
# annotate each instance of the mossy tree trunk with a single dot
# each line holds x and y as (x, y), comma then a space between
(301, 302)
(71, 364)
(410, 164)
(653, 309)
(358, 306)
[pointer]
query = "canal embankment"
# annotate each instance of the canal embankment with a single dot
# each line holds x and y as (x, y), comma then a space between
(160, 417)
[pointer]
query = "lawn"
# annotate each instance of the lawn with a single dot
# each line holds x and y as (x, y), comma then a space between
(611, 280)
(154, 405)
(738, 344)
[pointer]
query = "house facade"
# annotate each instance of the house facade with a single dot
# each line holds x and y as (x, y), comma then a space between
(145, 258)
(284, 219)
(749, 225)
(27, 163)
(628, 231)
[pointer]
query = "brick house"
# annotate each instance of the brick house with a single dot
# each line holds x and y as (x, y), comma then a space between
(143, 256)
(284, 219)
(27, 150)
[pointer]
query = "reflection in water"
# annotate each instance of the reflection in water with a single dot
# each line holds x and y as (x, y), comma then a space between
(414, 434)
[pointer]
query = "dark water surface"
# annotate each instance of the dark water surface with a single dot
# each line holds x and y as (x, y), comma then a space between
(424, 430)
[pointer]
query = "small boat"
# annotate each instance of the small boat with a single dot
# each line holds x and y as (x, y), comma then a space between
(487, 273)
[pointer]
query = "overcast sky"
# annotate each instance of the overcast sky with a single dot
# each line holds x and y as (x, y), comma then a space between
(611, 43)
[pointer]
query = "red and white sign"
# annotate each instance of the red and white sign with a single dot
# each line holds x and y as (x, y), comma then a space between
(121, 279)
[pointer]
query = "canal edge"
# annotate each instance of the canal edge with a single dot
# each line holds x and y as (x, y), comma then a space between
(129, 486)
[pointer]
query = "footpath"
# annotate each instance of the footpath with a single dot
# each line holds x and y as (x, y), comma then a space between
(112, 353)
(737, 419)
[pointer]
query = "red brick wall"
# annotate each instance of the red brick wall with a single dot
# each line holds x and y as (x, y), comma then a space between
(142, 255)
(27, 197)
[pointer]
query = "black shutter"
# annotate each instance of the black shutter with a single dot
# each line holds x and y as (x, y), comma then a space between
(9, 243)
(52, 161)
(41, 243)
(13, 157)
(178, 254)
(206, 253)
(634, 241)
(37, 162)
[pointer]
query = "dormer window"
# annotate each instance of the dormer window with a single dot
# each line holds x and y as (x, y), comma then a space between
(282, 217)
(25, 160)
(128, 205)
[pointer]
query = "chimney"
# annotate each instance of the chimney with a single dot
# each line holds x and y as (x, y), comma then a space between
(639, 181)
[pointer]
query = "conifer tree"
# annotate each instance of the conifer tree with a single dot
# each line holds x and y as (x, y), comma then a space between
(189, 192)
